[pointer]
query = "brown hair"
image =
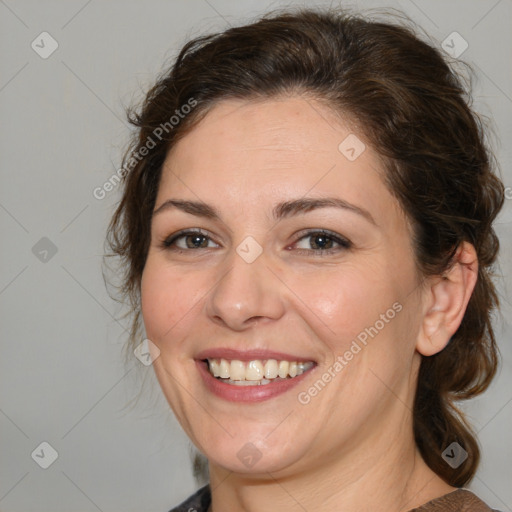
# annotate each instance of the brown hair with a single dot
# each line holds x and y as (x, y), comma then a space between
(416, 113)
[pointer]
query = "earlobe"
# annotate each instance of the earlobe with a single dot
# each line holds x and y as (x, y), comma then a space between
(446, 300)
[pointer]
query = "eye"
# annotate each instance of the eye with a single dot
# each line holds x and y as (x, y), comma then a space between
(322, 242)
(189, 239)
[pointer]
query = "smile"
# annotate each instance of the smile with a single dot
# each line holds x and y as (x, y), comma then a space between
(256, 372)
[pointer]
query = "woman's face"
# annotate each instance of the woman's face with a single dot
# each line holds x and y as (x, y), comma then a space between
(272, 279)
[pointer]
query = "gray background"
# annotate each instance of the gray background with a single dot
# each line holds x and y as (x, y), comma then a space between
(63, 377)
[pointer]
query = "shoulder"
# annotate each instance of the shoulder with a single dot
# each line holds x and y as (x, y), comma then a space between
(460, 500)
(198, 502)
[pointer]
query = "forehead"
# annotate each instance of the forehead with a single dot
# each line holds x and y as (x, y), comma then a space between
(257, 151)
(266, 130)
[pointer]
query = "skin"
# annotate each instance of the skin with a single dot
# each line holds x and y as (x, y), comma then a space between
(353, 442)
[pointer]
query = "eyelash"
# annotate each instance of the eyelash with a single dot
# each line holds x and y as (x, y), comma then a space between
(342, 242)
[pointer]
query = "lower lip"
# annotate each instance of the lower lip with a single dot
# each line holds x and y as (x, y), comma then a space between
(256, 393)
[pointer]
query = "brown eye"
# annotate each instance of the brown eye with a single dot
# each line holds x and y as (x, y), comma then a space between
(322, 242)
(188, 240)
(195, 241)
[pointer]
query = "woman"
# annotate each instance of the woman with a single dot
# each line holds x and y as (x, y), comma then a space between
(306, 227)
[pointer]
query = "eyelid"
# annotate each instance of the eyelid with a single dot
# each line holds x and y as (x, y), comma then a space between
(169, 240)
(342, 241)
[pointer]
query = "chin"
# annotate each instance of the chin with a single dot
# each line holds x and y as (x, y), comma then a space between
(255, 453)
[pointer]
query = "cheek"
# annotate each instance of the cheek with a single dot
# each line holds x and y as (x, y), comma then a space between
(166, 299)
(358, 316)
(345, 301)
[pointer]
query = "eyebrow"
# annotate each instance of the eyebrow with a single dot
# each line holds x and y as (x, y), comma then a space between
(280, 211)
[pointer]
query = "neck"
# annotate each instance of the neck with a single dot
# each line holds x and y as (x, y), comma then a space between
(389, 477)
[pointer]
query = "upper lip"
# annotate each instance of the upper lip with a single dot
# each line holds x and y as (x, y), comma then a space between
(248, 355)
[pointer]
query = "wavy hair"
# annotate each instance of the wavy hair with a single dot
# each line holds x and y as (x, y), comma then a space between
(415, 111)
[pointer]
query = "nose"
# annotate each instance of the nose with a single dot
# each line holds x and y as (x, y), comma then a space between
(246, 294)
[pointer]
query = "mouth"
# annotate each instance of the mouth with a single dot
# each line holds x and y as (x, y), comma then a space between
(257, 372)
(251, 376)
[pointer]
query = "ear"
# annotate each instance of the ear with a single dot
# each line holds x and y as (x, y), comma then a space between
(446, 299)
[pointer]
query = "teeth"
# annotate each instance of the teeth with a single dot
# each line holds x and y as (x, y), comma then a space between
(237, 370)
(271, 369)
(256, 372)
(215, 368)
(224, 369)
(283, 369)
(248, 382)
